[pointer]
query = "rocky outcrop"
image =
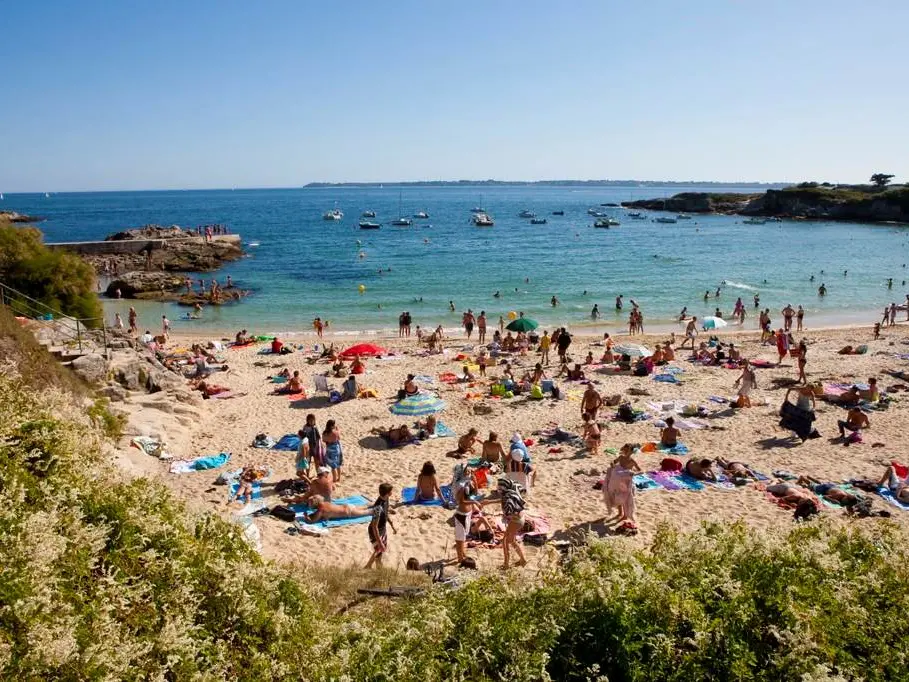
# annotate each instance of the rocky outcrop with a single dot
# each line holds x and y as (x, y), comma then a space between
(152, 232)
(140, 284)
(695, 202)
(861, 204)
(13, 217)
(812, 203)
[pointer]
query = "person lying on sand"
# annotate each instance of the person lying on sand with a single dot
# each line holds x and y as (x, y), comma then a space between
(395, 435)
(736, 470)
(829, 491)
(325, 510)
(248, 476)
(465, 444)
(701, 469)
(210, 389)
(576, 374)
(426, 427)
(896, 483)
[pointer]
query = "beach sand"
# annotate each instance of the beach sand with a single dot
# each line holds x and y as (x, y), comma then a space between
(566, 498)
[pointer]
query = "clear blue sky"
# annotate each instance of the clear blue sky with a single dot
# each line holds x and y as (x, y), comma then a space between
(124, 95)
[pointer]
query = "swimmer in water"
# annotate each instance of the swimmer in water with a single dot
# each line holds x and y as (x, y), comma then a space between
(497, 295)
(707, 294)
(451, 306)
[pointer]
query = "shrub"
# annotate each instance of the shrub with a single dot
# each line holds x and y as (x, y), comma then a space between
(59, 280)
(111, 424)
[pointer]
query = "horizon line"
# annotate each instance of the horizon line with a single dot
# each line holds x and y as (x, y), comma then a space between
(321, 184)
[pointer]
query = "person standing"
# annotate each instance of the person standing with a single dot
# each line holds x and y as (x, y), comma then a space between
(378, 531)
(133, 318)
(545, 342)
(481, 327)
(803, 361)
(618, 302)
(563, 343)
(799, 318)
(311, 433)
(334, 454)
(468, 323)
(165, 326)
(788, 313)
(118, 322)
(691, 331)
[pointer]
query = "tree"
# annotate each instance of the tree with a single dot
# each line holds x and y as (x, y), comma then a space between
(881, 179)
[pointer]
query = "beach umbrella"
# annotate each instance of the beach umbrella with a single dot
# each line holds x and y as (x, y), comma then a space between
(363, 349)
(418, 405)
(522, 324)
(633, 350)
(714, 323)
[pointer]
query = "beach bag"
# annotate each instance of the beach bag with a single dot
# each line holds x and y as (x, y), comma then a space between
(671, 464)
(625, 413)
(334, 396)
(284, 513)
(555, 392)
(536, 392)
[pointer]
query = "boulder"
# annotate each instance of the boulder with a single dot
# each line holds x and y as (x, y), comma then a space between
(115, 392)
(92, 368)
(139, 284)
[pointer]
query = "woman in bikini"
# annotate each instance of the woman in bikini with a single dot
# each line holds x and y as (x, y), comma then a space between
(513, 514)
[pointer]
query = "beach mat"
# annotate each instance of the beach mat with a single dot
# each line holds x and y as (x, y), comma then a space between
(674, 480)
(409, 496)
(200, 463)
(643, 482)
(887, 496)
(443, 431)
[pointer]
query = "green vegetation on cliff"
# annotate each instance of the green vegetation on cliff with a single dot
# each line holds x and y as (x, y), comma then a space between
(57, 279)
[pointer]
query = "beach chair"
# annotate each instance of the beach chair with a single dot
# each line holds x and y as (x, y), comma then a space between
(321, 382)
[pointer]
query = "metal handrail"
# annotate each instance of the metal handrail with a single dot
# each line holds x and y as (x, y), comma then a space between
(11, 298)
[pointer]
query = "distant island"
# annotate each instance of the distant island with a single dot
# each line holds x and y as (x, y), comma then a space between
(808, 201)
(547, 183)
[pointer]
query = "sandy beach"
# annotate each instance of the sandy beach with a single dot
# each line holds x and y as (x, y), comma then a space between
(564, 491)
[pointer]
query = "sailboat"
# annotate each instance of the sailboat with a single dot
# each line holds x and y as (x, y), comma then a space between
(402, 221)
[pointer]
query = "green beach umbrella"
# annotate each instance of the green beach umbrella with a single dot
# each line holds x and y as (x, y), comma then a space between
(418, 405)
(522, 324)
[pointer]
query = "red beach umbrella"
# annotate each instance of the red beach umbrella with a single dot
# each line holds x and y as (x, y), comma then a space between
(364, 349)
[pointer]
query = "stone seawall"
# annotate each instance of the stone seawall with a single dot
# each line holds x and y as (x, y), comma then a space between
(137, 246)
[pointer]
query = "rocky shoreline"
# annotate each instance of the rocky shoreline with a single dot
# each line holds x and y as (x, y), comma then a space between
(863, 204)
(13, 217)
(158, 269)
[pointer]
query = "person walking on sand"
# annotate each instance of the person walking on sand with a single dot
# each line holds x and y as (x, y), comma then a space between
(591, 402)
(691, 332)
(803, 361)
(513, 513)
(745, 383)
(378, 532)
(788, 313)
(481, 327)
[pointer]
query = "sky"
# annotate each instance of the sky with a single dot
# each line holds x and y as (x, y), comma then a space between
(217, 94)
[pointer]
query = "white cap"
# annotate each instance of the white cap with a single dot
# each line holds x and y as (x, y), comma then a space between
(517, 455)
(323, 470)
(516, 438)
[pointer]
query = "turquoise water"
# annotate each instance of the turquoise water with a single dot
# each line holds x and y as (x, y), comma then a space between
(306, 266)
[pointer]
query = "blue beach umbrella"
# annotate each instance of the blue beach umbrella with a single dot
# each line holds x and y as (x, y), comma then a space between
(418, 405)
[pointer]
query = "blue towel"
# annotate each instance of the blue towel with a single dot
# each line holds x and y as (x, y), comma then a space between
(885, 492)
(443, 431)
(290, 442)
(689, 482)
(677, 449)
(256, 490)
(409, 496)
(211, 462)
(667, 378)
(643, 482)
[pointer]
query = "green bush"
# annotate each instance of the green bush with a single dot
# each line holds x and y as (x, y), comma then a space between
(59, 280)
(112, 424)
(106, 579)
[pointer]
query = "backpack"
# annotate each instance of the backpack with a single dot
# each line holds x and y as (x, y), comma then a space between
(284, 513)
(625, 413)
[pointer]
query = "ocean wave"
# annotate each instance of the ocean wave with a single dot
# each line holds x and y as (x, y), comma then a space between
(738, 285)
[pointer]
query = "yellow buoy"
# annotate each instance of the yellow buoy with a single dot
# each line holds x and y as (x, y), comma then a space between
(512, 315)
(362, 288)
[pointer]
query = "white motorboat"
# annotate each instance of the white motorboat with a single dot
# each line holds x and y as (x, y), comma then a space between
(667, 221)
(482, 220)
(753, 221)
(606, 223)
(368, 214)
(333, 214)
(527, 214)
(683, 216)
(421, 215)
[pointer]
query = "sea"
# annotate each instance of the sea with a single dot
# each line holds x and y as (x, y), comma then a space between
(299, 266)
